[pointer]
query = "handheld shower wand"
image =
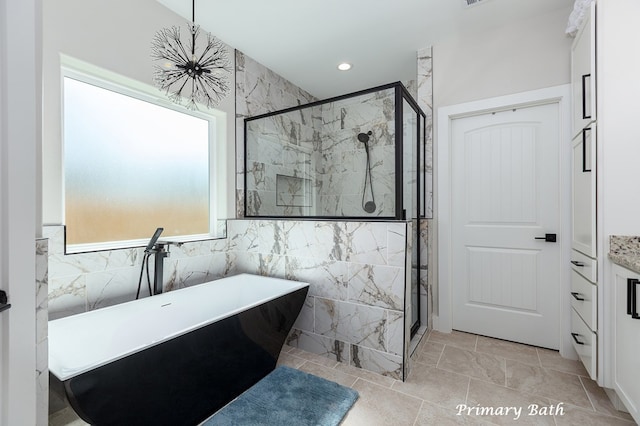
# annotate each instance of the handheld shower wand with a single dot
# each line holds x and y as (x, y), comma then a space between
(369, 206)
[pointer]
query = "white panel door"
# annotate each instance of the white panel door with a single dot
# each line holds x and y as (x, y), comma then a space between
(505, 194)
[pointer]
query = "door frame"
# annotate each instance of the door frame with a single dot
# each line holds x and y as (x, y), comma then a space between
(20, 136)
(561, 95)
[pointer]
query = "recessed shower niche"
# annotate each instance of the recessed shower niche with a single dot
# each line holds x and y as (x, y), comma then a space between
(357, 156)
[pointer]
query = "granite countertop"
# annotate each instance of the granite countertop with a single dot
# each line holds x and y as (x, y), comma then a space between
(625, 251)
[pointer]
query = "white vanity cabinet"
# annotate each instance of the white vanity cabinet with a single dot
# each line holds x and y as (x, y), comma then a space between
(584, 311)
(583, 192)
(584, 233)
(583, 74)
(627, 338)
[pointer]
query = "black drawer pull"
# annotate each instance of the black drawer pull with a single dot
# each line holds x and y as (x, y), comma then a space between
(575, 338)
(585, 169)
(578, 264)
(577, 296)
(629, 291)
(585, 114)
(632, 297)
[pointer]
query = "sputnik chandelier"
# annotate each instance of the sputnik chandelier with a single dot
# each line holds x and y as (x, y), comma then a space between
(186, 74)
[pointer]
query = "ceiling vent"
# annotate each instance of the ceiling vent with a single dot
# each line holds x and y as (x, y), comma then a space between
(470, 3)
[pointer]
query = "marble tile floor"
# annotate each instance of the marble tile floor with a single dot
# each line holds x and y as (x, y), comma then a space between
(451, 370)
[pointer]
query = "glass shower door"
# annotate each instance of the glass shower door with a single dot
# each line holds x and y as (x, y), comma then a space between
(411, 155)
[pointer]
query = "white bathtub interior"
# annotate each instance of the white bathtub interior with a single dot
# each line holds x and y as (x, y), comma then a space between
(82, 342)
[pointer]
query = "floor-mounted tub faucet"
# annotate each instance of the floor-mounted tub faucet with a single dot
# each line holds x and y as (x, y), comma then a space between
(160, 252)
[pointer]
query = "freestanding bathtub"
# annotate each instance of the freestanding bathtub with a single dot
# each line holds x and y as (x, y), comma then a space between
(175, 358)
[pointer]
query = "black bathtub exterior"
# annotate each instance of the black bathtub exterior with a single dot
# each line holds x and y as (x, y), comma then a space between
(185, 380)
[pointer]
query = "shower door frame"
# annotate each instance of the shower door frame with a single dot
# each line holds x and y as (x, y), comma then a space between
(419, 210)
(401, 93)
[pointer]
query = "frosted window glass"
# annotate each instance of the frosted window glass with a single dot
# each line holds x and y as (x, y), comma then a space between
(131, 166)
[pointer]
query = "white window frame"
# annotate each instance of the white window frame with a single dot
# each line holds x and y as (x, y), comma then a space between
(90, 74)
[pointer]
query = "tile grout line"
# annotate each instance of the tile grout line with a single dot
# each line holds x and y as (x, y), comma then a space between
(401, 392)
(415, 422)
(586, 392)
(466, 397)
(354, 383)
(441, 354)
(505, 373)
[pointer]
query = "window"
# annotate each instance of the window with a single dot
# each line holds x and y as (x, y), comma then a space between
(133, 163)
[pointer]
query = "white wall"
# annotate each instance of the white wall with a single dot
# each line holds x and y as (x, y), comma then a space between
(114, 35)
(618, 113)
(524, 55)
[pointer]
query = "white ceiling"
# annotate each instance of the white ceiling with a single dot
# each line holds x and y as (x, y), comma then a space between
(304, 40)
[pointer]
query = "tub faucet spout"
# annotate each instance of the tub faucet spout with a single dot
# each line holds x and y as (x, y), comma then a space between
(160, 253)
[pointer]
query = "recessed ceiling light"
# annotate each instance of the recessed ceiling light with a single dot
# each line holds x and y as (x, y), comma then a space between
(344, 66)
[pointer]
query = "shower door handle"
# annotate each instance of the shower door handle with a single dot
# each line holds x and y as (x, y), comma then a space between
(3, 301)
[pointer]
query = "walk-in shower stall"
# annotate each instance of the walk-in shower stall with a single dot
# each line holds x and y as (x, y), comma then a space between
(359, 156)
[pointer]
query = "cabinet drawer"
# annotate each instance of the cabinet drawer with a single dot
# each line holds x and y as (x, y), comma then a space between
(584, 299)
(585, 343)
(584, 265)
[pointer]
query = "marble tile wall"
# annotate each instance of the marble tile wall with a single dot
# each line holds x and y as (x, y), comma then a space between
(355, 309)
(425, 101)
(86, 281)
(319, 146)
(343, 156)
(282, 164)
(428, 288)
(42, 346)
(258, 91)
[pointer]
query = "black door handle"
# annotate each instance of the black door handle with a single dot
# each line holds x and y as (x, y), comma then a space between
(577, 296)
(575, 338)
(549, 238)
(578, 264)
(3, 301)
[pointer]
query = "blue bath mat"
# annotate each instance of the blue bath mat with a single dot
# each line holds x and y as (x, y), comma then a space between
(288, 397)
